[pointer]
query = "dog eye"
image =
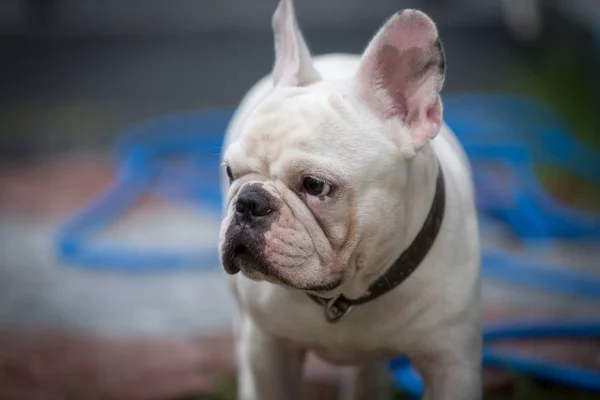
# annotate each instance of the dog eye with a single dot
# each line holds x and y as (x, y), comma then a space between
(229, 173)
(316, 187)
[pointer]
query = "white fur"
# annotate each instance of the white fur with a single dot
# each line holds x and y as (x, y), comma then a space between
(433, 317)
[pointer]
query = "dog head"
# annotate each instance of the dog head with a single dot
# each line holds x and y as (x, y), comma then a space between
(318, 167)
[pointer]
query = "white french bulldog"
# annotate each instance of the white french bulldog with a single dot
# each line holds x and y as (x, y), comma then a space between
(350, 213)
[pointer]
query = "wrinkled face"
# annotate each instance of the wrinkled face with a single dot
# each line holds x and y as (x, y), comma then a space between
(318, 169)
(308, 181)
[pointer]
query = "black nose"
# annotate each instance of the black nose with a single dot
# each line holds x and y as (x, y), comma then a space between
(252, 203)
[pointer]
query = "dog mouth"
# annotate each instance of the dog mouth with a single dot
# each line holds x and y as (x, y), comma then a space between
(241, 258)
(247, 261)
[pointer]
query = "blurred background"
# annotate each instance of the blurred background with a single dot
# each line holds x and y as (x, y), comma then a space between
(78, 77)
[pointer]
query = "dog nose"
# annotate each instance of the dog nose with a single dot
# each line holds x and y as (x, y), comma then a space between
(252, 203)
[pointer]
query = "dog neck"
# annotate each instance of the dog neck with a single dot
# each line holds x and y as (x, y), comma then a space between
(424, 193)
(417, 194)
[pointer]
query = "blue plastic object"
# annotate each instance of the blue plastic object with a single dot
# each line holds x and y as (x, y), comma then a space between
(504, 136)
(411, 383)
(547, 276)
(177, 157)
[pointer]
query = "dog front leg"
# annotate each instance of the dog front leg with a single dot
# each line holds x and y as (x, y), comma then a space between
(452, 373)
(368, 381)
(269, 368)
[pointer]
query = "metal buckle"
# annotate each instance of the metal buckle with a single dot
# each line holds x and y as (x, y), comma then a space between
(336, 309)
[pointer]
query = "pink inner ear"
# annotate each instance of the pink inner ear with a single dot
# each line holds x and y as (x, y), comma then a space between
(403, 69)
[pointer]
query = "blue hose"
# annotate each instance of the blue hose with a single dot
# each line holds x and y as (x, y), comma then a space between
(511, 133)
(554, 278)
(142, 156)
(531, 213)
(503, 130)
(411, 383)
(500, 129)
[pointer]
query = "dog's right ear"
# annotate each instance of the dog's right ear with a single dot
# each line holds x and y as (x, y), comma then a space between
(293, 63)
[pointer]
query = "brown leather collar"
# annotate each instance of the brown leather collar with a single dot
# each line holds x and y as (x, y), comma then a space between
(338, 307)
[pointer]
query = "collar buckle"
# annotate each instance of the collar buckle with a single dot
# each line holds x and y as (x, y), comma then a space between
(337, 308)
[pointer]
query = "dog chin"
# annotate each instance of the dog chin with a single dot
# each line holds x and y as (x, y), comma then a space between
(278, 280)
(253, 269)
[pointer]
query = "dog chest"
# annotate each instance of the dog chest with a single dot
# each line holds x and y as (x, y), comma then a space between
(295, 317)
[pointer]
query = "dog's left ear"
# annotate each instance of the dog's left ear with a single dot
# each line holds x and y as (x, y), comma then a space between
(402, 72)
(293, 64)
